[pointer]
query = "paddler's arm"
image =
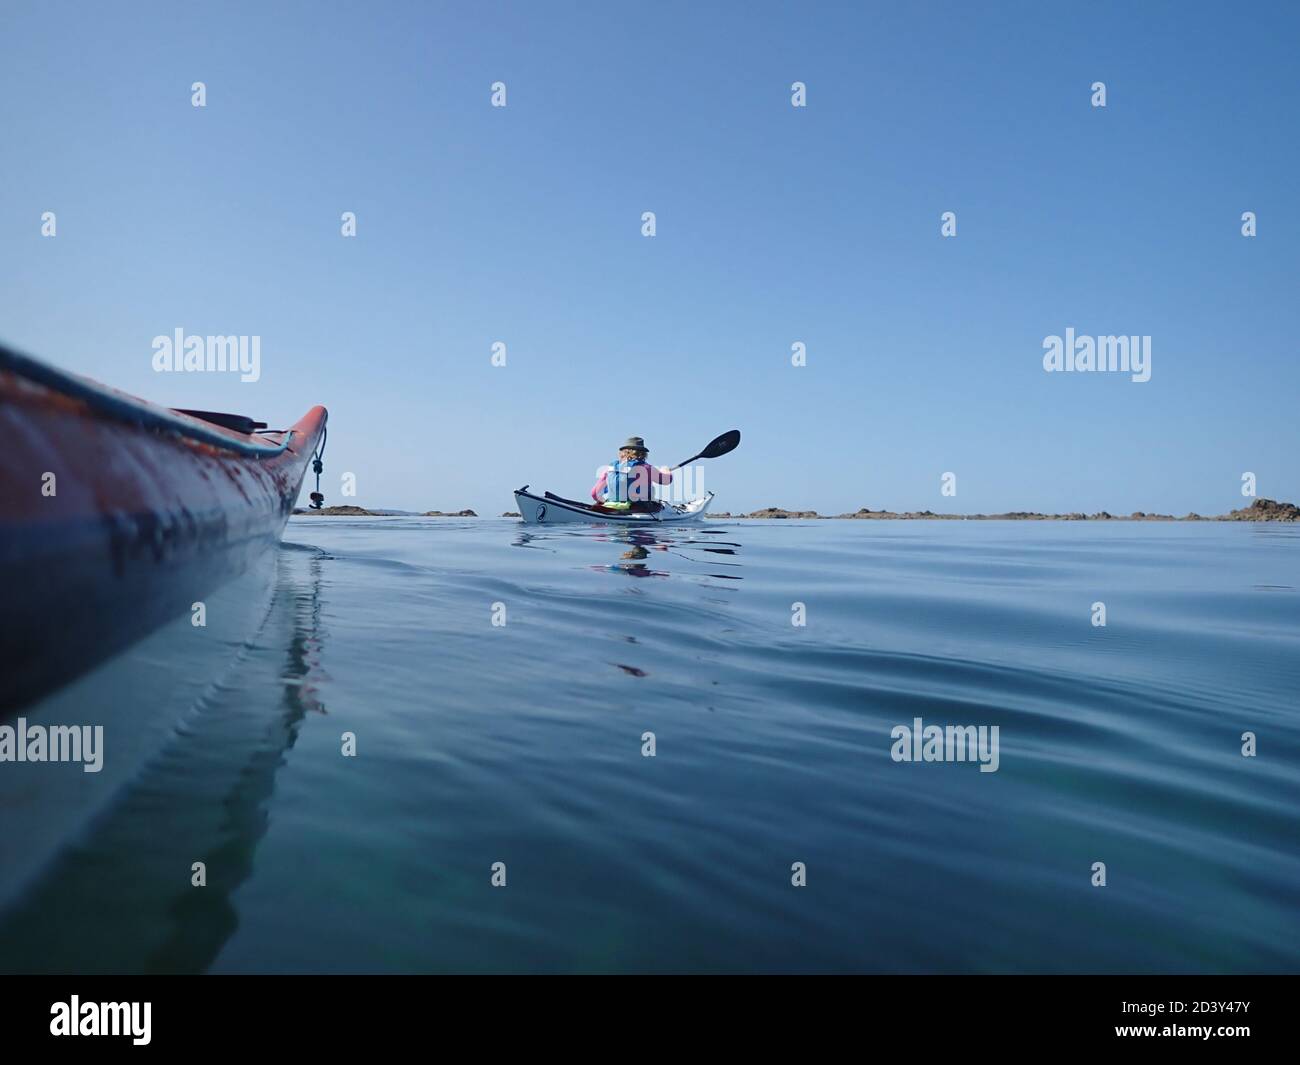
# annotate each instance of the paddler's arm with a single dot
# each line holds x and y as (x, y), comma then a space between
(600, 486)
(661, 475)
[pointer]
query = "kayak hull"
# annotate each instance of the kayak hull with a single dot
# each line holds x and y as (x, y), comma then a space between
(119, 515)
(551, 510)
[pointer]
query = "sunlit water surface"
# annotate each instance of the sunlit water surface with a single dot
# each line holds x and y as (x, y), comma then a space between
(521, 742)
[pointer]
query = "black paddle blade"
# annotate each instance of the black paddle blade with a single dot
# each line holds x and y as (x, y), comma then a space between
(723, 444)
(719, 446)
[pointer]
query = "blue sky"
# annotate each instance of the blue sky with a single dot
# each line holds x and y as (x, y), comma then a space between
(775, 225)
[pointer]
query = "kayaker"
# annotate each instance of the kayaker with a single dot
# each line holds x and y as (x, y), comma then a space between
(625, 484)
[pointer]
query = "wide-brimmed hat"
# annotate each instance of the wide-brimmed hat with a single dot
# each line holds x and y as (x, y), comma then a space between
(636, 443)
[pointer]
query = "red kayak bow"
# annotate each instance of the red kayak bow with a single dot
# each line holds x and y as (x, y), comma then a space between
(117, 515)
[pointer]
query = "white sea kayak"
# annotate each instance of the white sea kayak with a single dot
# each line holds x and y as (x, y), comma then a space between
(548, 509)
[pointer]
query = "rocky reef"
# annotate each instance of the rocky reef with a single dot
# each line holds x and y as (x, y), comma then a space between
(1265, 510)
(332, 512)
(362, 512)
(1259, 510)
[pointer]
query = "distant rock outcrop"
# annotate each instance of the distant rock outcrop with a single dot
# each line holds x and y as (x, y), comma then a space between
(1260, 510)
(1265, 510)
(777, 512)
(332, 512)
(361, 512)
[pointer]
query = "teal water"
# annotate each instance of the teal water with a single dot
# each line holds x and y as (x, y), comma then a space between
(521, 743)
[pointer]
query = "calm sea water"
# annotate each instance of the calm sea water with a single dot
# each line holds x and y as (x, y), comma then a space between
(521, 743)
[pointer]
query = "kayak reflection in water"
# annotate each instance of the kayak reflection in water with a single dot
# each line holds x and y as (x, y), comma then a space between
(640, 543)
(626, 483)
